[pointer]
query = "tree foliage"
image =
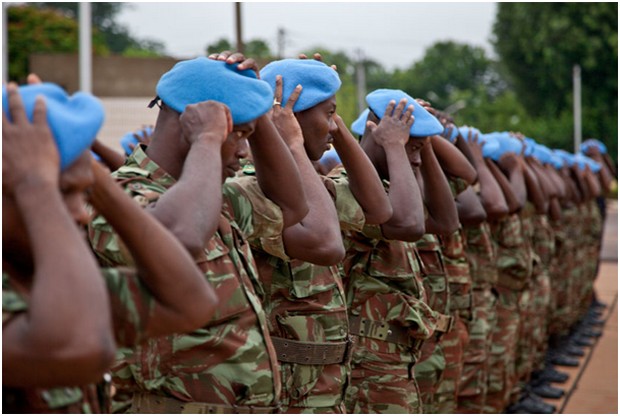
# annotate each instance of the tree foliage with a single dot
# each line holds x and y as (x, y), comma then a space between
(539, 43)
(32, 30)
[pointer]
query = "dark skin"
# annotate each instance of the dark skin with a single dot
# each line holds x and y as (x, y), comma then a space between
(535, 191)
(469, 207)
(385, 142)
(316, 238)
(43, 359)
(514, 203)
(511, 164)
(453, 162)
(491, 195)
(606, 174)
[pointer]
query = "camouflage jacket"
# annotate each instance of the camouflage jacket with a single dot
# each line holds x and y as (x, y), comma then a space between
(481, 255)
(306, 302)
(514, 257)
(434, 278)
(231, 360)
(457, 270)
(384, 286)
(133, 307)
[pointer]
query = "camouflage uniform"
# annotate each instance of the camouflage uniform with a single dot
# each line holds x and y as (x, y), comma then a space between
(230, 364)
(432, 363)
(307, 312)
(591, 234)
(133, 308)
(455, 341)
(514, 271)
(482, 259)
(390, 320)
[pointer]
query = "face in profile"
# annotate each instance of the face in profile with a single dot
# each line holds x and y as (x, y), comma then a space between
(317, 125)
(413, 147)
(236, 147)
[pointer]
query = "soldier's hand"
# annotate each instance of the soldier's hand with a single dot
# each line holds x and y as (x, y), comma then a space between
(283, 117)
(29, 153)
(206, 120)
(394, 126)
(237, 57)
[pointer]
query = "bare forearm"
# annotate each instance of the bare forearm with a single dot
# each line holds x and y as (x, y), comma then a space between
(191, 208)
(452, 160)
(491, 195)
(277, 173)
(364, 181)
(407, 221)
(514, 203)
(110, 157)
(535, 191)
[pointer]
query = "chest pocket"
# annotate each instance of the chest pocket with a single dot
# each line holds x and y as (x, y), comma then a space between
(509, 233)
(221, 273)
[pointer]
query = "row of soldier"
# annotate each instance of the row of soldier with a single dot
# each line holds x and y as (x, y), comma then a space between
(426, 269)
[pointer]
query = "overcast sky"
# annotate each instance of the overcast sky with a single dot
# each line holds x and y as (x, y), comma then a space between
(395, 34)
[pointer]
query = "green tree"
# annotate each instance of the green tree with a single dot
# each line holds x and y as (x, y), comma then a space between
(32, 30)
(538, 44)
(117, 37)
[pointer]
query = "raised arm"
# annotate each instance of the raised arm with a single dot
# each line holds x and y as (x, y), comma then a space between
(364, 181)
(185, 301)
(65, 336)
(512, 166)
(535, 191)
(452, 160)
(316, 238)
(442, 215)
(191, 208)
(514, 203)
(392, 134)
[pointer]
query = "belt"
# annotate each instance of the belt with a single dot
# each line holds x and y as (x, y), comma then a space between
(152, 403)
(313, 353)
(444, 323)
(383, 331)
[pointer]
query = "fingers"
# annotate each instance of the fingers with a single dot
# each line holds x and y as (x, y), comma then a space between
(33, 79)
(278, 92)
(16, 107)
(370, 125)
(317, 57)
(293, 98)
(39, 112)
(389, 109)
(249, 63)
(303, 56)
(235, 58)
(410, 120)
(398, 111)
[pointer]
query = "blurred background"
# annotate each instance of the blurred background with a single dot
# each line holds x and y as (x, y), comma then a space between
(496, 66)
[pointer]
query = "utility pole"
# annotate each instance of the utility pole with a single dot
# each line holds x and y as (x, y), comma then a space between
(238, 27)
(281, 42)
(361, 81)
(577, 106)
(86, 57)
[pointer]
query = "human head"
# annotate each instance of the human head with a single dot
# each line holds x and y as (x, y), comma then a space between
(316, 105)
(201, 79)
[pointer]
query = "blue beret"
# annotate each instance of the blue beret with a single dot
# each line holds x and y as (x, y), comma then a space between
(556, 160)
(330, 156)
(583, 161)
(542, 153)
(359, 125)
(203, 79)
(73, 120)
(507, 144)
(593, 143)
(568, 158)
(318, 80)
(425, 123)
(490, 146)
(464, 131)
(450, 132)
(130, 138)
(530, 145)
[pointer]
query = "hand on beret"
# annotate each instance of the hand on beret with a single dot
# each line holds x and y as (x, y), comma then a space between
(29, 154)
(130, 140)
(237, 58)
(74, 120)
(490, 147)
(450, 133)
(592, 144)
(508, 144)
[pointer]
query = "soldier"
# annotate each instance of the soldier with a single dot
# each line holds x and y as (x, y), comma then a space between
(481, 256)
(387, 309)
(305, 300)
(229, 365)
(57, 304)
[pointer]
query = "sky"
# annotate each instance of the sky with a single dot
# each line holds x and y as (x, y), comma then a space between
(393, 34)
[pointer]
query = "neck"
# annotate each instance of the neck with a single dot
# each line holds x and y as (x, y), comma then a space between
(168, 148)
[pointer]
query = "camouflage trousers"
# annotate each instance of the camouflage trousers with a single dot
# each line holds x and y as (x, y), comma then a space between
(561, 278)
(474, 379)
(429, 374)
(503, 351)
(542, 307)
(453, 344)
(378, 387)
(524, 355)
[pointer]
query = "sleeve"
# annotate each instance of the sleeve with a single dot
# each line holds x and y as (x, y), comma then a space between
(259, 219)
(105, 242)
(350, 213)
(131, 302)
(457, 185)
